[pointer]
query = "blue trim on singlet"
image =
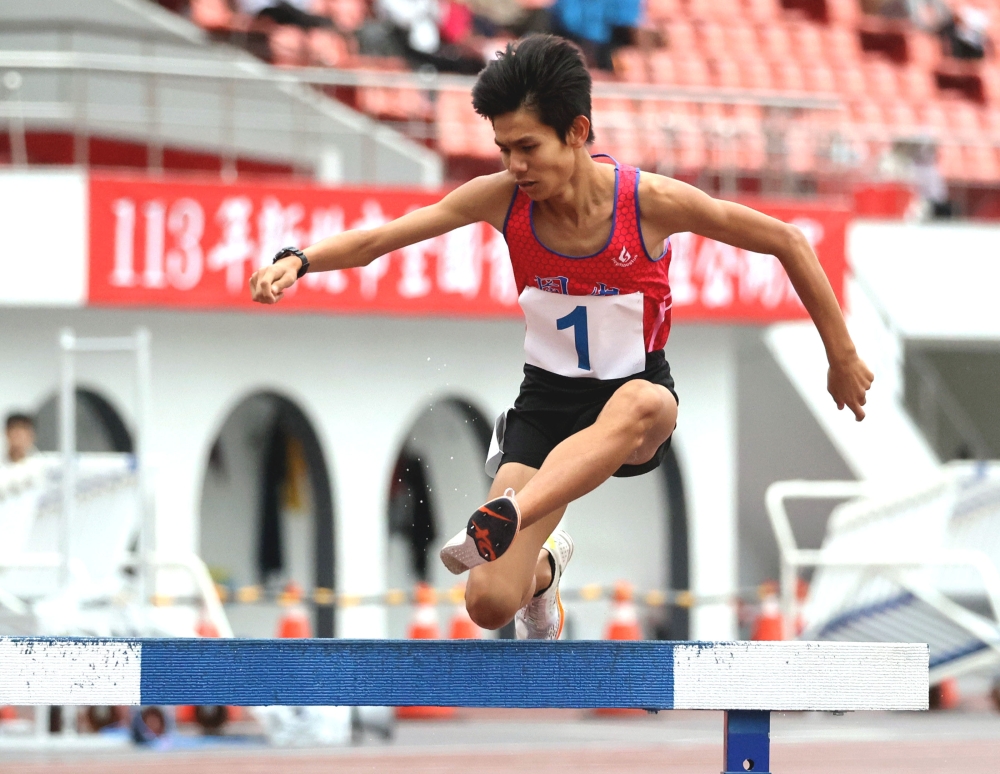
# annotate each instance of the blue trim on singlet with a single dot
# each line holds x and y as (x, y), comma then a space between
(614, 222)
(638, 225)
(510, 209)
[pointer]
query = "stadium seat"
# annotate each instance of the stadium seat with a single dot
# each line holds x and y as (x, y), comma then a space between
(844, 13)
(964, 121)
(901, 115)
(851, 81)
(681, 37)
(661, 68)
(692, 71)
(713, 39)
(842, 46)
(819, 77)
(980, 160)
(631, 65)
(764, 11)
(741, 41)
(660, 11)
(757, 75)
(788, 76)
(951, 161)
(917, 84)
(881, 78)
(808, 41)
(923, 50)
(989, 73)
(727, 73)
(721, 10)
(776, 43)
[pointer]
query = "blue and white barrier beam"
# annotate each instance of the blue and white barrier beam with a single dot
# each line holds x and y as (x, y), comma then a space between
(840, 676)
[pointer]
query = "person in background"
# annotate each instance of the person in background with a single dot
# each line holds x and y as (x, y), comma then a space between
(597, 26)
(20, 437)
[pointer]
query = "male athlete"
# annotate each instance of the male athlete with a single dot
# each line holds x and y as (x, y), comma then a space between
(589, 245)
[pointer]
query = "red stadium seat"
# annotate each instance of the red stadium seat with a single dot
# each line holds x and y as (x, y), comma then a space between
(661, 68)
(845, 13)
(843, 46)
(951, 161)
(776, 43)
(819, 77)
(923, 50)
(867, 112)
(722, 10)
(901, 114)
(713, 39)
(765, 11)
(981, 161)
(659, 11)
(808, 42)
(757, 75)
(882, 79)
(917, 84)
(681, 37)
(741, 41)
(728, 73)
(964, 120)
(631, 65)
(692, 71)
(851, 81)
(788, 76)
(932, 116)
(989, 73)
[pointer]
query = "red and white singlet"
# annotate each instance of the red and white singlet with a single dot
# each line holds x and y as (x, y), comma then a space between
(597, 315)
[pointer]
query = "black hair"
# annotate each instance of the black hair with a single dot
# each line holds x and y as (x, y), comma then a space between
(543, 73)
(17, 418)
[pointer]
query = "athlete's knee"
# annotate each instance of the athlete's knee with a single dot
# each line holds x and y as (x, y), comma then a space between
(489, 606)
(641, 401)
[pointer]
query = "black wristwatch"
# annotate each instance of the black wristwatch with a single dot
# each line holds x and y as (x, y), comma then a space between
(285, 251)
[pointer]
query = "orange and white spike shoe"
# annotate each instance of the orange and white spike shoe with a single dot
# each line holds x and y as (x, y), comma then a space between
(489, 534)
(543, 617)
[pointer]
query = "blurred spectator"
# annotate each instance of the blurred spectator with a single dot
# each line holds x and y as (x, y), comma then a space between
(494, 18)
(294, 13)
(963, 33)
(597, 26)
(411, 28)
(20, 437)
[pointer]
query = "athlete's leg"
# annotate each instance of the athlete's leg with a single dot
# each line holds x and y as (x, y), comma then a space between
(497, 590)
(633, 424)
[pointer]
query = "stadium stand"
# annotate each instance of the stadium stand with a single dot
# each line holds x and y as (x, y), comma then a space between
(894, 82)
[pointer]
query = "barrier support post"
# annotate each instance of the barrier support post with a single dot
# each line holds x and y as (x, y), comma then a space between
(747, 742)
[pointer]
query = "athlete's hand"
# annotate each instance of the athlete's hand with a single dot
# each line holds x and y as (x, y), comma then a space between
(847, 381)
(268, 285)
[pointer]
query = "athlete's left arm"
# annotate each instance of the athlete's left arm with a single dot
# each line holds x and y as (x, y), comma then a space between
(670, 206)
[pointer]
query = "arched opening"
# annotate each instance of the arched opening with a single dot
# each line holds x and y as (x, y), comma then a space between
(437, 482)
(267, 510)
(99, 426)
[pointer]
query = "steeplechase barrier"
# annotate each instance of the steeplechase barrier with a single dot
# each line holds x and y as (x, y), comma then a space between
(746, 680)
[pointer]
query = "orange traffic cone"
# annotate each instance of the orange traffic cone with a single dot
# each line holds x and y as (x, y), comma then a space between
(624, 625)
(294, 623)
(7, 713)
(462, 627)
(769, 624)
(424, 626)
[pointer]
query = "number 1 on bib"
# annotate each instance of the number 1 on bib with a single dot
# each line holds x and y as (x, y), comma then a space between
(577, 320)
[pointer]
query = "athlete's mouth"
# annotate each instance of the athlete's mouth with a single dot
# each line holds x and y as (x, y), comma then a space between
(525, 183)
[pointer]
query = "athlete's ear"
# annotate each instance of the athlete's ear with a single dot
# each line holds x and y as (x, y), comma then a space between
(578, 132)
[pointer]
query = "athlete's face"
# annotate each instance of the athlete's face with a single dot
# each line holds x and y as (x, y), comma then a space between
(540, 161)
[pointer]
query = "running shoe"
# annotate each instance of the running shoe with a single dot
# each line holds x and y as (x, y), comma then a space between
(490, 532)
(543, 617)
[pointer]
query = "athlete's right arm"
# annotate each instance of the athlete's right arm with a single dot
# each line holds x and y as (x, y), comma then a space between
(481, 199)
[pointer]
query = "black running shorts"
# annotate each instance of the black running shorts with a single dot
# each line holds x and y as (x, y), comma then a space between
(550, 408)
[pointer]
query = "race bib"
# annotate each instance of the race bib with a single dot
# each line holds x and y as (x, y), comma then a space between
(599, 337)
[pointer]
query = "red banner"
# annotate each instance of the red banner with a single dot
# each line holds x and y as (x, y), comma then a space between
(189, 244)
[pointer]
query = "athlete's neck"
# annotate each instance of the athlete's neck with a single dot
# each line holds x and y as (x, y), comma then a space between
(585, 195)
